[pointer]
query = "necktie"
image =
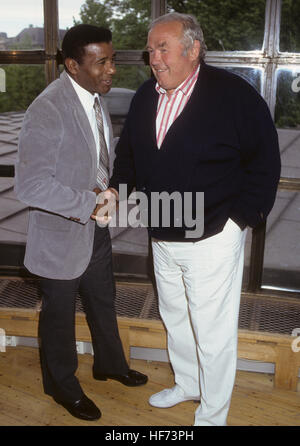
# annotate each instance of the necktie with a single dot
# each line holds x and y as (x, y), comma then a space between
(103, 166)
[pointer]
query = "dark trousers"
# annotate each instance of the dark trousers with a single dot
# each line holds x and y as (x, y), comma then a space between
(58, 352)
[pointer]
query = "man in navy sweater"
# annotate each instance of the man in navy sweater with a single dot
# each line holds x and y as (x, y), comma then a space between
(199, 129)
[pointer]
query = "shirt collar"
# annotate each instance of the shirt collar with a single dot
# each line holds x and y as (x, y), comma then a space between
(86, 98)
(185, 86)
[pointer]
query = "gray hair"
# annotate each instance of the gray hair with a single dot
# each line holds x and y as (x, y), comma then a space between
(191, 30)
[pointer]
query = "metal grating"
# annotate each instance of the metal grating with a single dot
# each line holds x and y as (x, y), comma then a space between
(269, 315)
(136, 301)
(140, 301)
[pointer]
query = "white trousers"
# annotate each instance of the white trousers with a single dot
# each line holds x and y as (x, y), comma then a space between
(199, 287)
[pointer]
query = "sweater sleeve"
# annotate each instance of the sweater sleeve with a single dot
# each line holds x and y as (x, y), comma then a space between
(124, 166)
(260, 161)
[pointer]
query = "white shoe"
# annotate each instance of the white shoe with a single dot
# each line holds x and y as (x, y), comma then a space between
(170, 397)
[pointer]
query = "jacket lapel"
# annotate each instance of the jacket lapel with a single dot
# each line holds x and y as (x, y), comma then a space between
(80, 117)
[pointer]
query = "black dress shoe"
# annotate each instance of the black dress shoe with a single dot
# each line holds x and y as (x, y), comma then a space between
(132, 378)
(84, 409)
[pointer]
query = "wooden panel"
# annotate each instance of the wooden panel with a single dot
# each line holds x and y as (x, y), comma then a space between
(253, 345)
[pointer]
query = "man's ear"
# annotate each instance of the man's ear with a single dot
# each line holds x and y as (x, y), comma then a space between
(195, 50)
(72, 65)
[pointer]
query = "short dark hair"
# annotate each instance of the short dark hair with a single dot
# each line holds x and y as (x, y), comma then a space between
(79, 36)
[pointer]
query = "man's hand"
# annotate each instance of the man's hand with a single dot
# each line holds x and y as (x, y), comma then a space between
(106, 206)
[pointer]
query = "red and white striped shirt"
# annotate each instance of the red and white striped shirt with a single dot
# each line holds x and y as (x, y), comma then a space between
(170, 107)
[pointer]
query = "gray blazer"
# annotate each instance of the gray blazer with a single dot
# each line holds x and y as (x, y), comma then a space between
(56, 173)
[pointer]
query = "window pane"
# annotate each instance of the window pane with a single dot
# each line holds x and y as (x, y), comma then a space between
(21, 25)
(287, 119)
(128, 20)
(282, 250)
(23, 84)
(126, 81)
(10, 126)
(227, 25)
(131, 76)
(251, 75)
(290, 26)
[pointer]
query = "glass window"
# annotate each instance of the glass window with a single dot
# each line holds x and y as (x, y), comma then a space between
(290, 26)
(126, 81)
(282, 249)
(128, 20)
(10, 125)
(23, 84)
(131, 76)
(227, 25)
(22, 27)
(251, 75)
(287, 119)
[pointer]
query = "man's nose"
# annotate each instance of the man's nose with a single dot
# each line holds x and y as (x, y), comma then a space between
(155, 58)
(111, 68)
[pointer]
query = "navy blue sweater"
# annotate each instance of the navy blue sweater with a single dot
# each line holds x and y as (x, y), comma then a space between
(224, 144)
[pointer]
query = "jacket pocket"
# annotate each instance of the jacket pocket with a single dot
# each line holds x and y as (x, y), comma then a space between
(51, 222)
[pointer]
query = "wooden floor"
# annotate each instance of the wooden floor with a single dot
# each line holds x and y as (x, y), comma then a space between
(22, 402)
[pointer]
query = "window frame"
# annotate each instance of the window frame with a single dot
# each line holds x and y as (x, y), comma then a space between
(269, 58)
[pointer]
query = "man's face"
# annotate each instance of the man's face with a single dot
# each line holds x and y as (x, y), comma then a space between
(168, 61)
(96, 69)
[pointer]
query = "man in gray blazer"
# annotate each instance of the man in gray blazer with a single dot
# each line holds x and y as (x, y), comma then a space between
(57, 174)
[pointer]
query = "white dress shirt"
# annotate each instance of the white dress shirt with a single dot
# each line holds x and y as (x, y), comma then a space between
(87, 100)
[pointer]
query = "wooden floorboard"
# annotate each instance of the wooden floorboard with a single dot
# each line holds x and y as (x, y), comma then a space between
(255, 401)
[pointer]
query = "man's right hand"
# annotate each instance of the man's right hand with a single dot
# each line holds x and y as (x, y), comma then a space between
(106, 206)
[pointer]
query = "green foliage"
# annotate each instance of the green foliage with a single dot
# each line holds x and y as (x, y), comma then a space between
(227, 25)
(23, 84)
(290, 28)
(131, 76)
(128, 20)
(95, 13)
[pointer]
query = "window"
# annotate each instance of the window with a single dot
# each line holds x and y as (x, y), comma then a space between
(287, 119)
(23, 83)
(250, 74)
(227, 25)
(290, 26)
(282, 250)
(21, 28)
(256, 39)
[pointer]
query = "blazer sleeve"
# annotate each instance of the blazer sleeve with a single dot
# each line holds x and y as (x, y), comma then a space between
(36, 185)
(260, 163)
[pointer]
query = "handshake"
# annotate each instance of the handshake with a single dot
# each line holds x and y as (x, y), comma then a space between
(106, 206)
